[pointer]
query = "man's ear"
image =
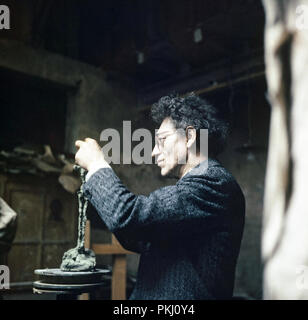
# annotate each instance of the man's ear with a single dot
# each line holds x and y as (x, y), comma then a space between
(191, 136)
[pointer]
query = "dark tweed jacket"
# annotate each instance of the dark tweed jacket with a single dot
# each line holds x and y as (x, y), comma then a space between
(188, 234)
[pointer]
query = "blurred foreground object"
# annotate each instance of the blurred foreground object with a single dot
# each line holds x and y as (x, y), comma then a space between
(285, 220)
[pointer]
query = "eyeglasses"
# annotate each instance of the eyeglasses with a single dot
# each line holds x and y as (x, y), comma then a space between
(160, 141)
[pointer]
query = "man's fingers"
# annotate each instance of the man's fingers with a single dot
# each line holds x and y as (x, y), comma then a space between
(79, 143)
(89, 140)
(76, 156)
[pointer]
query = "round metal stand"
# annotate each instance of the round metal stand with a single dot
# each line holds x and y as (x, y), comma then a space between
(68, 285)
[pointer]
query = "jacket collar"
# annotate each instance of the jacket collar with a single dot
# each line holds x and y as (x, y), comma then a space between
(202, 167)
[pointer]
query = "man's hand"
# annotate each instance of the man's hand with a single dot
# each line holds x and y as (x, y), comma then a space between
(90, 156)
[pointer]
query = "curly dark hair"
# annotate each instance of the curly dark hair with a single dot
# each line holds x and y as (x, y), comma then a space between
(196, 112)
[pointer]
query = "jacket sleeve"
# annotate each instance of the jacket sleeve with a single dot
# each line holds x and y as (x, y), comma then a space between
(189, 206)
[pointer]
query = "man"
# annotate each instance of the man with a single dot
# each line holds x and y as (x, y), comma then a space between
(188, 234)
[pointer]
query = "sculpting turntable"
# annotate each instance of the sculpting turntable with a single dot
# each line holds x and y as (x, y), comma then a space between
(68, 285)
(77, 273)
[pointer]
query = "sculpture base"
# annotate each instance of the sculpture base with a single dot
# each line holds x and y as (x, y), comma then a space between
(57, 276)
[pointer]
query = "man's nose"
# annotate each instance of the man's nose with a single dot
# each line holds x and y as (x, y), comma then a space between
(155, 151)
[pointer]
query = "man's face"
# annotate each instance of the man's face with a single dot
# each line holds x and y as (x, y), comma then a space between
(170, 148)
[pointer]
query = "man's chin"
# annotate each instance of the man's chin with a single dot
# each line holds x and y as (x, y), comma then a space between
(169, 173)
